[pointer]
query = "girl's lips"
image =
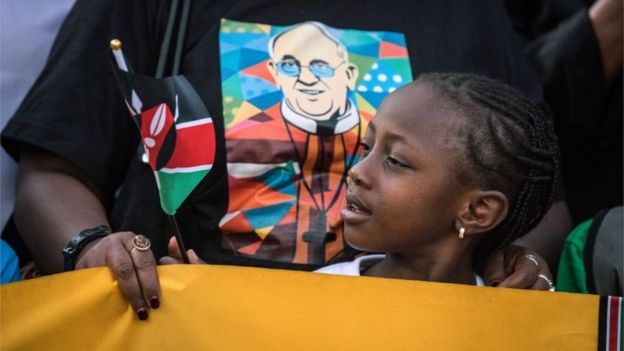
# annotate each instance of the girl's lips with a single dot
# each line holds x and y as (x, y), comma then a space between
(354, 211)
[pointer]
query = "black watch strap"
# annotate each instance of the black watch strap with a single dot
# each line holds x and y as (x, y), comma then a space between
(77, 243)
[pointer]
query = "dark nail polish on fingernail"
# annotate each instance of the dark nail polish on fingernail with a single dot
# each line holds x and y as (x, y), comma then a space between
(154, 302)
(142, 313)
(494, 283)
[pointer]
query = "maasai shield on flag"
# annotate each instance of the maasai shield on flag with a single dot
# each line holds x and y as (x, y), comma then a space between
(177, 132)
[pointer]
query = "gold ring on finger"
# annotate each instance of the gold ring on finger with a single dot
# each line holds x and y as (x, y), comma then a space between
(141, 243)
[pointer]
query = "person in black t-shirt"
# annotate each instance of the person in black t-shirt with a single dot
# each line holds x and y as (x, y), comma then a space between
(77, 146)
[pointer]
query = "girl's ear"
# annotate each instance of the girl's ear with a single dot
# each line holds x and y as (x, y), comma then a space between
(483, 211)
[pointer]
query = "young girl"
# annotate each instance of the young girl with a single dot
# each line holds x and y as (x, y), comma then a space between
(454, 167)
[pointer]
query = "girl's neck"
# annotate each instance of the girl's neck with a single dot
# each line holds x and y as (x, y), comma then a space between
(446, 269)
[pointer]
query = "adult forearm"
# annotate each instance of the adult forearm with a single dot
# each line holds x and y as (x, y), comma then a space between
(548, 237)
(606, 19)
(53, 203)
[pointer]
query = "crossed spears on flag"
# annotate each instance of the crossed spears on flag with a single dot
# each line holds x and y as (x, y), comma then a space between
(179, 146)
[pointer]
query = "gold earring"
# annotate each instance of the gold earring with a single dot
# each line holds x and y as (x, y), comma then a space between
(462, 230)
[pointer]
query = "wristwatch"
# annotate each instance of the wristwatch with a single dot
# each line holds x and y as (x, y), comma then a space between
(75, 245)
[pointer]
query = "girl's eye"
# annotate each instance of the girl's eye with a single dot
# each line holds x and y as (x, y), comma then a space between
(394, 162)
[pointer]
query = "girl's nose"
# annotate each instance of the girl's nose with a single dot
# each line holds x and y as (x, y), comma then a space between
(353, 176)
(357, 175)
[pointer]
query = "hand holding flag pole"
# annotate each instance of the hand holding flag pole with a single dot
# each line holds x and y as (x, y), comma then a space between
(179, 142)
(135, 109)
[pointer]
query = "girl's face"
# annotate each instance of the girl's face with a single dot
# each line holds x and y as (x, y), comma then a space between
(404, 195)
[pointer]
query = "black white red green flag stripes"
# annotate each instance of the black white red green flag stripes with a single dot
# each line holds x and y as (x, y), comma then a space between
(176, 129)
(611, 326)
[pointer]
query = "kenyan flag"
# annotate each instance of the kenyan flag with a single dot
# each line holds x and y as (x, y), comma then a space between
(176, 129)
(187, 166)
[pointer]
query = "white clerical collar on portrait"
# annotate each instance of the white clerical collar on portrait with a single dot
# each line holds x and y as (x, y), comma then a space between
(344, 122)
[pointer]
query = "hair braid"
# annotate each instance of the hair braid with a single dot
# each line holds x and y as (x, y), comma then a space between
(510, 146)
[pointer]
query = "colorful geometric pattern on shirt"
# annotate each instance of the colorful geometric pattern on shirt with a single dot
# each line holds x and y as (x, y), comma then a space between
(287, 186)
(320, 185)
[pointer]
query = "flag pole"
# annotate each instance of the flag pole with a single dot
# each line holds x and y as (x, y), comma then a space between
(115, 46)
(176, 231)
(162, 59)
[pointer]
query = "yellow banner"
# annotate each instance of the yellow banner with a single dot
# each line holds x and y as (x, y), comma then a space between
(237, 308)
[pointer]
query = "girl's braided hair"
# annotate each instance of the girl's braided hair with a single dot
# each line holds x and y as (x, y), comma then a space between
(510, 146)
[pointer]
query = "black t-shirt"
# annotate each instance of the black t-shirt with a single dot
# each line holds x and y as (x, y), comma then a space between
(76, 110)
